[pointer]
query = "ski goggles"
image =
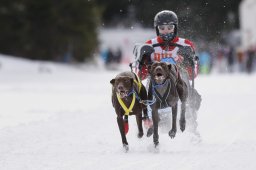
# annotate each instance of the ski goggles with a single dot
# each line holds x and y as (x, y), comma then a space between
(166, 27)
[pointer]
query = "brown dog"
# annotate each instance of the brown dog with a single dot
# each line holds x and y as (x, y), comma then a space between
(167, 87)
(127, 94)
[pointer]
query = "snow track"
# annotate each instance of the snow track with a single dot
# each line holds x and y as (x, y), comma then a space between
(64, 120)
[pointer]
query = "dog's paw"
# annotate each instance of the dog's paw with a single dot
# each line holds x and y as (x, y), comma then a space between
(126, 147)
(155, 140)
(182, 124)
(150, 131)
(156, 147)
(172, 133)
(140, 134)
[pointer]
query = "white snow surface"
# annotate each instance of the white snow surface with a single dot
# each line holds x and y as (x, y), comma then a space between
(61, 118)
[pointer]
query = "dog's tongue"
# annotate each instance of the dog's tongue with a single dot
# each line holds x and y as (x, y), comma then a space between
(123, 94)
(159, 78)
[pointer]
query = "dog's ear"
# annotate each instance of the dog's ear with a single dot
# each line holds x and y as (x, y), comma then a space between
(112, 81)
(131, 79)
(173, 69)
(169, 66)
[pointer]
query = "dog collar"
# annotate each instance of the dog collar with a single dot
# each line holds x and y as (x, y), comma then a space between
(158, 85)
(126, 109)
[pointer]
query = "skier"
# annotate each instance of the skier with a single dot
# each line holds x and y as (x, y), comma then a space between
(168, 47)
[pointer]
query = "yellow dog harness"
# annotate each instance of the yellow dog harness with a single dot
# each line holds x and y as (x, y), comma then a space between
(126, 109)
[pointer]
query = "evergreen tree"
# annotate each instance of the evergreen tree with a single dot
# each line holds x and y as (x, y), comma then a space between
(49, 29)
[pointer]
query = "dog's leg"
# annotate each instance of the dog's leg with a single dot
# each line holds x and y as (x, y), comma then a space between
(150, 131)
(182, 116)
(155, 125)
(120, 123)
(182, 89)
(173, 131)
(139, 124)
(144, 96)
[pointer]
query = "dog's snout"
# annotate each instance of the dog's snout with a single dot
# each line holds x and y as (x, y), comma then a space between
(120, 87)
(158, 68)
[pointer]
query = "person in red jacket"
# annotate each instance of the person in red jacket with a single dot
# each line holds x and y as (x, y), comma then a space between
(168, 47)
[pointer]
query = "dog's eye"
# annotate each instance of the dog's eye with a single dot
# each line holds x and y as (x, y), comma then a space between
(163, 64)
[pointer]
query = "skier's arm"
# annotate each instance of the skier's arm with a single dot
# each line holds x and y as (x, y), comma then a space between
(189, 60)
(143, 58)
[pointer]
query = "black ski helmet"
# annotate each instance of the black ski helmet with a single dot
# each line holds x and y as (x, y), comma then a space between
(166, 17)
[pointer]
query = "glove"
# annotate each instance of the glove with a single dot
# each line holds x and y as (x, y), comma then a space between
(179, 59)
(147, 122)
(141, 50)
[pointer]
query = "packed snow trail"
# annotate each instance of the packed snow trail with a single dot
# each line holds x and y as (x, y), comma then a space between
(63, 119)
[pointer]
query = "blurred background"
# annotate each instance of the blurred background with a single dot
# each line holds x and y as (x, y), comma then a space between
(104, 32)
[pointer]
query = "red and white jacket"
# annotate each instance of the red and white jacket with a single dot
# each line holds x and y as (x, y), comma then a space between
(168, 52)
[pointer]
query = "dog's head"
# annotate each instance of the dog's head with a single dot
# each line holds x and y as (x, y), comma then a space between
(159, 72)
(122, 85)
